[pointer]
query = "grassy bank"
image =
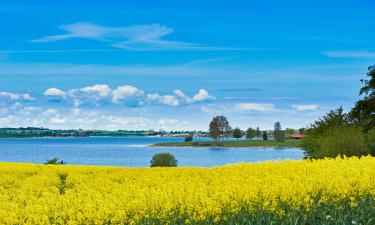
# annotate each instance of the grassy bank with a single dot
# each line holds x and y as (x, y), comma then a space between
(290, 143)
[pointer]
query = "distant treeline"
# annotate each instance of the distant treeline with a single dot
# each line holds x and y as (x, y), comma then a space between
(45, 132)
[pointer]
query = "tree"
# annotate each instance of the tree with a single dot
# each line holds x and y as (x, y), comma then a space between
(189, 138)
(257, 132)
(237, 133)
(363, 112)
(334, 118)
(219, 127)
(164, 159)
(250, 133)
(301, 131)
(278, 133)
(265, 136)
(289, 131)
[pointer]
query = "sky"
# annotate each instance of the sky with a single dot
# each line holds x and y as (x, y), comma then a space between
(173, 65)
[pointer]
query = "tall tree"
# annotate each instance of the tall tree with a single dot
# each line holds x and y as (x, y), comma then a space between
(250, 133)
(364, 109)
(278, 133)
(237, 133)
(258, 133)
(265, 136)
(219, 127)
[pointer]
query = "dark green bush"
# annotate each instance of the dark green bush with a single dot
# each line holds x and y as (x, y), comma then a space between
(164, 159)
(55, 161)
(189, 138)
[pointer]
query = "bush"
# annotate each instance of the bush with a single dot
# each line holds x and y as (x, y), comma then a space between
(164, 159)
(189, 138)
(342, 140)
(370, 141)
(55, 161)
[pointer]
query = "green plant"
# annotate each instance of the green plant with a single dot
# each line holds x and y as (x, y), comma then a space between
(237, 133)
(164, 159)
(55, 161)
(188, 138)
(342, 140)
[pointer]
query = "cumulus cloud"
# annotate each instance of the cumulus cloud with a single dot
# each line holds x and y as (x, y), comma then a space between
(54, 92)
(16, 96)
(202, 95)
(260, 107)
(125, 92)
(166, 99)
(307, 107)
(97, 93)
(101, 89)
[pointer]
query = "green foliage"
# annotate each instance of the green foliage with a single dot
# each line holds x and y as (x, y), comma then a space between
(219, 127)
(265, 136)
(334, 118)
(363, 112)
(370, 141)
(289, 131)
(346, 140)
(188, 138)
(164, 159)
(237, 133)
(278, 133)
(250, 133)
(258, 133)
(55, 161)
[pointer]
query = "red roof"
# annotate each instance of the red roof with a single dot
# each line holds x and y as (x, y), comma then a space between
(297, 136)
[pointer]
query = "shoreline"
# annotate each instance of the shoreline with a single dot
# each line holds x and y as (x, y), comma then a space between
(289, 143)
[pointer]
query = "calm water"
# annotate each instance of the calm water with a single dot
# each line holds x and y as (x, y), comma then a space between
(130, 152)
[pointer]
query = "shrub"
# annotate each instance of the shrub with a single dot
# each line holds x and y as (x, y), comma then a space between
(342, 140)
(164, 159)
(189, 138)
(55, 161)
(370, 141)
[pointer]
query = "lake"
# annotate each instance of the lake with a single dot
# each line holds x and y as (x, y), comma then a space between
(131, 152)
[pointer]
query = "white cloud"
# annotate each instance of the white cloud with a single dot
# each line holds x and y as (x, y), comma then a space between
(125, 92)
(166, 99)
(255, 107)
(308, 107)
(16, 96)
(350, 54)
(54, 92)
(202, 95)
(101, 89)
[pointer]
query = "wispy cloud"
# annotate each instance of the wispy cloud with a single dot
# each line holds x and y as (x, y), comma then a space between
(134, 38)
(350, 54)
(307, 107)
(260, 107)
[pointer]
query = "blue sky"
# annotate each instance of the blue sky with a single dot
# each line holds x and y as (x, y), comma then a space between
(175, 64)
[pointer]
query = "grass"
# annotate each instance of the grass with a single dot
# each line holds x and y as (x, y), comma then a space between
(289, 143)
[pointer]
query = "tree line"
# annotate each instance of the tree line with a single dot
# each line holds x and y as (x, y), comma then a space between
(219, 129)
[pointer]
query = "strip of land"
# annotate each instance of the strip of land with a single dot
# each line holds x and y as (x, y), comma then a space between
(290, 143)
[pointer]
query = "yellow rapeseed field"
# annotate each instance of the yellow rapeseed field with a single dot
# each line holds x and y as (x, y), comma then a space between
(45, 194)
